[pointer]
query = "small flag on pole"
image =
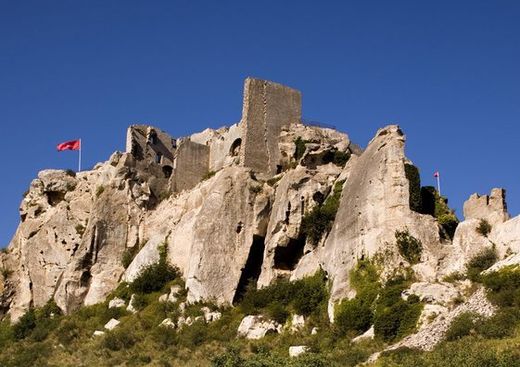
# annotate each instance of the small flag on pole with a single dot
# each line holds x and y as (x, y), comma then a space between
(71, 145)
(437, 175)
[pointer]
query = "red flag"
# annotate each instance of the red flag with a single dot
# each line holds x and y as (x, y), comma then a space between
(69, 145)
(436, 174)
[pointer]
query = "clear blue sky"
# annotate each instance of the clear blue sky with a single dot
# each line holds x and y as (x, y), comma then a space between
(447, 71)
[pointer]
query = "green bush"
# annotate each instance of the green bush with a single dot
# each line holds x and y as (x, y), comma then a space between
(128, 255)
(356, 315)
(300, 147)
(462, 325)
(449, 223)
(304, 296)
(483, 227)
(480, 262)
(409, 247)
(154, 277)
(504, 286)
(319, 220)
(25, 325)
(500, 325)
(68, 331)
(394, 317)
(118, 339)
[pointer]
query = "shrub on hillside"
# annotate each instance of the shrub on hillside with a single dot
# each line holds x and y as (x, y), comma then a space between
(480, 262)
(409, 247)
(394, 317)
(356, 315)
(461, 326)
(154, 277)
(303, 296)
(319, 220)
(504, 286)
(483, 227)
(300, 147)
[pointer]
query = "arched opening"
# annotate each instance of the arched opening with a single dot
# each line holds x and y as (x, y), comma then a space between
(235, 147)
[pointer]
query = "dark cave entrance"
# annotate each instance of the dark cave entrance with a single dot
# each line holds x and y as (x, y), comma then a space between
(252, 268)
(287, 257)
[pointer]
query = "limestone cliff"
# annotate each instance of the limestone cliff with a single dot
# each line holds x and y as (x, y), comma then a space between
(229, 206)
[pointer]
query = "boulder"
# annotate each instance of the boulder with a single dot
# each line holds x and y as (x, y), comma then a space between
(131, 307)
(167, 323)
(437, 293)
(298, 350)
(116, 302)
(256, 327)
(112, 324)
(297, 323)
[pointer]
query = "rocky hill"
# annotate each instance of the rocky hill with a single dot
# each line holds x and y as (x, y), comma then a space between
(250, 206)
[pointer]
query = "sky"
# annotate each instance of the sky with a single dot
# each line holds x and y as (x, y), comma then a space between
(448, 72)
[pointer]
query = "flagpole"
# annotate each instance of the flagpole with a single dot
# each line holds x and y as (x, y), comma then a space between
(439, 183)
(79, 160)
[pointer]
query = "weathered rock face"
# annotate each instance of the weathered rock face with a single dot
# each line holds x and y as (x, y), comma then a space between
(374, 204)
(468, 242)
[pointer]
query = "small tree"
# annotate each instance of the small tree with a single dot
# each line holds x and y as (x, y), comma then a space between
(483, 227)
(409, 247)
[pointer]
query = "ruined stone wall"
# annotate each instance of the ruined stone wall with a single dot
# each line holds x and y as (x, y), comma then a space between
(224, 145)
(268, 108)
(190, 166)
(491, 207)
(151, 144)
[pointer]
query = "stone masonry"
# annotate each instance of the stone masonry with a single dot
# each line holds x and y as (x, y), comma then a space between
(268, 108)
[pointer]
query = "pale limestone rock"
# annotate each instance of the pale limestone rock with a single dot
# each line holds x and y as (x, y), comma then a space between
(172, 295)
(431, 312)
(147, 256)
(131, 307)
(375, 203)
(297, 192)
(256, 327)
(436, 293)
(314, 331)
(167, 323)
(467, 242)
(112, 324)
(210, 316)
(116, 302)
(297, 350)
(297, 323)
(432, 333)
(512, 261)
(367, 335)
(98, 333)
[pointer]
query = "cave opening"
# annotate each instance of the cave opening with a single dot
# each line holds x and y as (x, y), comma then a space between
(252, 268)
(287, 257)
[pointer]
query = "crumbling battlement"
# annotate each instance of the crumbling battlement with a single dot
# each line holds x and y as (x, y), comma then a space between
(490, 207)
(150, 143)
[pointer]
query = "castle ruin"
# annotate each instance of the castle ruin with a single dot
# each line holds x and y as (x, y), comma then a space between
(268, 109)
